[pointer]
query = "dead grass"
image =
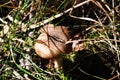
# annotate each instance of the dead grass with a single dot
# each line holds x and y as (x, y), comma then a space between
(97, 21)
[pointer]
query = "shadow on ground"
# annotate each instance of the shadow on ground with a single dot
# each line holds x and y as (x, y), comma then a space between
(92, 64)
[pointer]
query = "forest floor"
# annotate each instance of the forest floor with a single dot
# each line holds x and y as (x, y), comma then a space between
(96, 21)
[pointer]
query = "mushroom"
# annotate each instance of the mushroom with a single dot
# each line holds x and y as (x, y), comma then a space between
(51, 44)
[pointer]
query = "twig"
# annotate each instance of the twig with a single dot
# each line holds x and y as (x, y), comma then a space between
(49, 19)
(5, 4)
(102, 40)
(112, 78)
(58, 15)
(82, 18)
(3, 21)
(101, 7)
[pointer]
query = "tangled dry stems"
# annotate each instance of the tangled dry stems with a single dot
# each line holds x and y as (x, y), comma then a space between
(106, 27)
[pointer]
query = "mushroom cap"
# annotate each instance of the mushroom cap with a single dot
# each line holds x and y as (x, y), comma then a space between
(51, 41)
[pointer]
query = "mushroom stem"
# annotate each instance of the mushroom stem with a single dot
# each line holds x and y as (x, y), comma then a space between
(58, 62)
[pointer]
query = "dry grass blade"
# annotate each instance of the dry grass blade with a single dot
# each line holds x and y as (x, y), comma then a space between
(58, 15)
(94, 27)
(100, 6)
(82, 18)
(114, 77)
(32, 26)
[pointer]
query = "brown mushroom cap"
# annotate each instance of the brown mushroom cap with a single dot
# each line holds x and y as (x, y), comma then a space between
(51, 41)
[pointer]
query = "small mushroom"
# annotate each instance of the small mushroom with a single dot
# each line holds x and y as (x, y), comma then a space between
(51, 43)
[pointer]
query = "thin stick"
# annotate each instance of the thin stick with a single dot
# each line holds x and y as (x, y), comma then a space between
(57, 16)
(51, 18)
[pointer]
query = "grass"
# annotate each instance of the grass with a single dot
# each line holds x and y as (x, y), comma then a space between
(97, 20)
